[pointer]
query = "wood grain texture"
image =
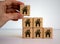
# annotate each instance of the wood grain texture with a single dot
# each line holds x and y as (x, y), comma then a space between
(25, 10)
(27, 22)
(51, 32)
(25, 30)
(38, 22)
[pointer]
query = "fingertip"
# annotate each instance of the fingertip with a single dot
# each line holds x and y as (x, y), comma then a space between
(20, 16)
(19, 2)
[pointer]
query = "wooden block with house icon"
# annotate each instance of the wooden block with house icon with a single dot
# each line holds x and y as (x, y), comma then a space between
(38, 32)
(48, 32)
(33, 28)
(27, 22)
(25, 10)
(27, 32)
(38, 22)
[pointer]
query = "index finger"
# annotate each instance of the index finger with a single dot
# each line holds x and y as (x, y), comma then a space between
(21, 3)
(18, 2)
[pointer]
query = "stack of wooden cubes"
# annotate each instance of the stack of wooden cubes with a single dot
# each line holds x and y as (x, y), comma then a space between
(33, 27)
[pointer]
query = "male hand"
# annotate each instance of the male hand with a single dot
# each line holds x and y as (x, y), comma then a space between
(9, 10)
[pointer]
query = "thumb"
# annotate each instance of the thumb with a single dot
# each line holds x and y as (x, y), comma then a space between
(14, 16)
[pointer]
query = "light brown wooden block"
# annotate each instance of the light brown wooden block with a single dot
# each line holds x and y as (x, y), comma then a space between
(48, 32)
(38, 22)
(27, 32)
(27, 22)
(38, 32)
(25, 10)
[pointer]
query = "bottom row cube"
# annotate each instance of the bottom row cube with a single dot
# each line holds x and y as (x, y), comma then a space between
(37, 32)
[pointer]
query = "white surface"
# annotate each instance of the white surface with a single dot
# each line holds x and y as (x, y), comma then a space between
(16, 39)
(48, 9)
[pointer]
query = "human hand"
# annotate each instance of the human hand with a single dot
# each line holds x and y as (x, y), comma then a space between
(13, 9)
(9, 12)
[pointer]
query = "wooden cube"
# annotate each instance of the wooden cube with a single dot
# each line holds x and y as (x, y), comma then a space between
(48, 33)
(38, 22)
(38, 32)
(27, 32)
(25, 10)
(27, 22)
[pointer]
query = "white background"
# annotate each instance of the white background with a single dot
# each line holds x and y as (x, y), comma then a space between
(48, 9)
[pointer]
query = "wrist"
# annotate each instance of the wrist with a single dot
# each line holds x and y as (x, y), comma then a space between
(3, 20)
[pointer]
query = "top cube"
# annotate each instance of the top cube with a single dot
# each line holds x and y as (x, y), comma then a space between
(25, 10)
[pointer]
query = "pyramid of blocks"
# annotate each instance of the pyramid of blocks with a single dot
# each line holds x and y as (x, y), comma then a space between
(33, 27)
